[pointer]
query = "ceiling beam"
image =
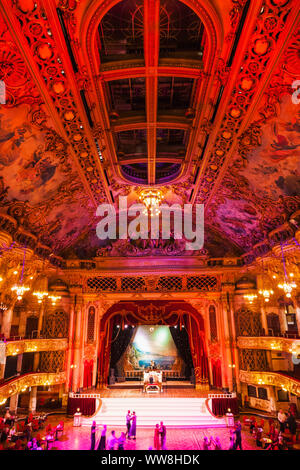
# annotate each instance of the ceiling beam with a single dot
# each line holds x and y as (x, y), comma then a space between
(151, 54)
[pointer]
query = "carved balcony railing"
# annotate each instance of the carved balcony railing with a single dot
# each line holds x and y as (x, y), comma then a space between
(21, 383)
(269, 343)
(274, 379)
(35, 345)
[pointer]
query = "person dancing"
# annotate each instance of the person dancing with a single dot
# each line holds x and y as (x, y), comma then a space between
(132, 432)
(102, 442)
(128, 423)
(157, 437)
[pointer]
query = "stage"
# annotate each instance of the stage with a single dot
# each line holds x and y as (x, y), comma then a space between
(176, 407)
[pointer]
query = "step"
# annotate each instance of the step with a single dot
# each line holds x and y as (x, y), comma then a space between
(174, 412)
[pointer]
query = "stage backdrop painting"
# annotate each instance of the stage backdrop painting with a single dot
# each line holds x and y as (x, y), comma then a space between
(152, 345)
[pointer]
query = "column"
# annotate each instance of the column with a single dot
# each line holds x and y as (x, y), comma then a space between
(296, 301)
(264, 320)
(77, 347)
(2, 359)
(32, 399)
(236, 369)
(7, 320)
(19, 364)
(36, 361)
(13, 403)
(41, 319)
(228, 359)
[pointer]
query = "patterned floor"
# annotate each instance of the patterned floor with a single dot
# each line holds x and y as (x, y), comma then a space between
(78, 438)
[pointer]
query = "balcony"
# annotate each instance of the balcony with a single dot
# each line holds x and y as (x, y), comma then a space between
(269, 343)
(21, 383)
(275, 379)
(21, 346)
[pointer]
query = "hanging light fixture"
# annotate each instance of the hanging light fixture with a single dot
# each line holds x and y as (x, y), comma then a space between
(54, 298)
(250, 297)
(151, 198)
(42, 289)
(20, 289)
(265, 293)
(287, 285)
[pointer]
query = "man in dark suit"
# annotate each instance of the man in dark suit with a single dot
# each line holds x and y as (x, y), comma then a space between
(163, 435)
(238, 435)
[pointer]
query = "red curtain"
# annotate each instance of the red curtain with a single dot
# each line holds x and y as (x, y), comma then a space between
(220, 406)
(88, 374)
(216, 373)
(87, 406)
(196, 338)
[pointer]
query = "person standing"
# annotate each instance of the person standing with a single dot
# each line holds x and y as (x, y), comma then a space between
(157, 437)
(102, 442)
(292, 425)
(282, 420)
(128, 423)
(163, 435)
(121, 441)
(93, 435)
(132, 432)
(238, 435)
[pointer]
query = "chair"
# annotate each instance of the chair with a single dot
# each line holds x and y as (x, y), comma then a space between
(48, 428)
(60, 428)
(35, 425)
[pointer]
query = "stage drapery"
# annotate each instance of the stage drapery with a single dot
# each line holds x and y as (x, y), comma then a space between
(181, 340)
(197, 345)
(216, 373)
(220, 406)
(120, 340)
(88, 374)
(87, 406)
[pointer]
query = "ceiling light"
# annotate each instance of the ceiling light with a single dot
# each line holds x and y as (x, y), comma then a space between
(151, 198)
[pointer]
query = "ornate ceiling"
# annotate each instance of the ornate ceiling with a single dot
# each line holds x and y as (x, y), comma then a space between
(106, 97)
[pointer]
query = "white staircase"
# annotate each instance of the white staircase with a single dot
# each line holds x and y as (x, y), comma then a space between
(150, 410)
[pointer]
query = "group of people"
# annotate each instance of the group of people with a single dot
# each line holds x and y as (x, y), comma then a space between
(117, 443)
(10, 433)
(287, 421)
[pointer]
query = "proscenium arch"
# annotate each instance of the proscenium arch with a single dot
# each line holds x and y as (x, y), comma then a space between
(214, 31)
(172, 313)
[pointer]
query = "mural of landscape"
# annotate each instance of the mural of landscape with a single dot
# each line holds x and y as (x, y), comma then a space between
(152, 343)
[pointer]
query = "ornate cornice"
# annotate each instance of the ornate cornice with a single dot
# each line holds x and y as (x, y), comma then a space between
(271, 379)
(35, 345)
(269, 343)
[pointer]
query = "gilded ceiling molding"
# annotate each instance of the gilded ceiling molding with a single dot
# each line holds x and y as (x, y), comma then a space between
(87, 33)
(259, 63)
(55, 81)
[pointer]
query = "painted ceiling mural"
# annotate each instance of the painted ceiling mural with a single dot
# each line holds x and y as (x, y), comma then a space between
(225, 132)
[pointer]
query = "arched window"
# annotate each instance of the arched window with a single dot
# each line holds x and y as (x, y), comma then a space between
(91, 325)
(213, 324)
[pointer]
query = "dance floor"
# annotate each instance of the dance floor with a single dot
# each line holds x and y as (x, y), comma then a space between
(167, 392)
(78, 438)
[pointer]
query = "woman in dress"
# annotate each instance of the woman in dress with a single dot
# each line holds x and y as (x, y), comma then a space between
(132, 432)
(157, 437)
(102, 442)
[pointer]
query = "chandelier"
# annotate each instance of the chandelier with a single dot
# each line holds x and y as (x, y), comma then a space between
(20, 289)
(250, 297)
(265, 293)
(40, 295)
(151, 198)
(54, 298)
(287, 285)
